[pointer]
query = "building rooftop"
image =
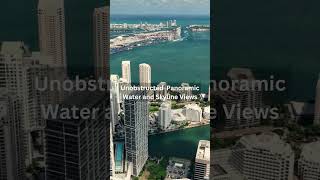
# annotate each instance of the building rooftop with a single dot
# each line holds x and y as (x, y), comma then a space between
(311, 152)
(185, 85)
(162, 84)
(267, 141)
(144, 64)
(51, 6)
(14, 48)
(177, 115)
(125, 62)
(103, 9)
(193, 106)
(114, 77)
(203, 151)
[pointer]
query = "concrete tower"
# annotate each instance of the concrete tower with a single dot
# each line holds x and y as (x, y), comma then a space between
(20, 69)
(77, 147)
(126, 71)
(202, 161)
(145, 74)
(51, 23)
(165, 115)
(101, 42)
(136, 114)
(12, 152)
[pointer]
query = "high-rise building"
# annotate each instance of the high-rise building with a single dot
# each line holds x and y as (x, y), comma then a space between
(209, 92)
(202, 161)
(77, 146)
(186, 91)
(309, 161)
(12, 149)
(145, 74)
(114, 99)
(51, 23)
(114, 109)
(101, 42)
(165, 115)
(317, 104)
(52, 40)
(124, 89)
(126, 71)
(136, 121)
(164, 90)
(264, 156)
(112, 160)
(21, 69)
(251, 99)
(115, 85)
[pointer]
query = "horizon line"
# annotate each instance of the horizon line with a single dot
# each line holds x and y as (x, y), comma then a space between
(161, 14)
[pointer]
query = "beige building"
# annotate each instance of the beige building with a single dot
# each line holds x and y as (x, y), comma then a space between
(193, 112)
(126, 71)
(145, 75)
(165, 115)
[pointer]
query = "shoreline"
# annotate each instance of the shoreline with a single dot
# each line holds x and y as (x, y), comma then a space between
(175, 130)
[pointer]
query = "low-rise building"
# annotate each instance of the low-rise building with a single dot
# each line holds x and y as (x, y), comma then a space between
(193, 112)
(206, 112)
(264, 156)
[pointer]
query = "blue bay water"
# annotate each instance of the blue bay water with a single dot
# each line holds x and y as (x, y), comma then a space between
(182, 143)
(172, 62)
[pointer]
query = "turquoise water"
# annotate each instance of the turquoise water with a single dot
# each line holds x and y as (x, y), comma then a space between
(172, 62)
(182, 143)
(119, 156)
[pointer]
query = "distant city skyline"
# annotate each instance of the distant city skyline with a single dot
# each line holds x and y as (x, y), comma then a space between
(158, 7)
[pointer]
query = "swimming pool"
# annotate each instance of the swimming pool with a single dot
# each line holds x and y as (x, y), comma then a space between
(119, 157)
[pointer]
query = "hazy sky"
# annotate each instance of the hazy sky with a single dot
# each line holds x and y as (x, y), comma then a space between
(163, 7)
